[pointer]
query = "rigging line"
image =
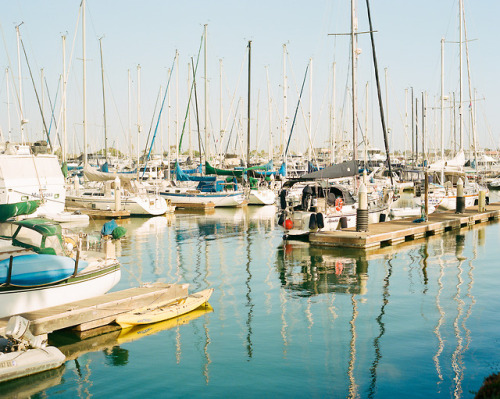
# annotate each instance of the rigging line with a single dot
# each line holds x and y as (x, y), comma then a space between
(152, 121)
(296, 110)
(190, 95)
(52, 107)
(234, 95)
(36, 93)
(159, 113)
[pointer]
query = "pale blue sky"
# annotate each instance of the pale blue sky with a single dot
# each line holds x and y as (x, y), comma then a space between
(149, 32)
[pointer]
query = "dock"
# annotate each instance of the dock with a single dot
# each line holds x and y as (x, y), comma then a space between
(203, 207)
(395, 232)
(101, 214)
(98, 311)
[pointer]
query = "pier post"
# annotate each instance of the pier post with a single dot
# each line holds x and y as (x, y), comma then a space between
(460, 196)
(76, 186)
(118, 195)
(426, 190)
(482, 201)
(362, 211)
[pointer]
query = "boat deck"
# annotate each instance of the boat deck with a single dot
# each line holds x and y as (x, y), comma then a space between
(398, 231)
(98, 311)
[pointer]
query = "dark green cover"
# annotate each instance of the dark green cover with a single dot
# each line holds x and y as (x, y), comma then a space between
(19, 208)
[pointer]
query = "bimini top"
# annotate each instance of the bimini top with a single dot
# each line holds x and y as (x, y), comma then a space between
(43, 226)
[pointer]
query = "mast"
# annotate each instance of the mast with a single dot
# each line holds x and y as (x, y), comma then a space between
(8, 103)
(189, 114)
(285, 116)
(129, 115)
(333, 131)
(139, 127)
(269, 109)
(221, 133)
(248, 101)
(207, 146)
(104, 105)
(168, 128)
(354, 26)
(309, 147)
(23, 121)
(460, 104)
(84, 87)
(63, 97)
(176, 108)
(442, 109)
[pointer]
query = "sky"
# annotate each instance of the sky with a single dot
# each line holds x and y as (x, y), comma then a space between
(148, 33)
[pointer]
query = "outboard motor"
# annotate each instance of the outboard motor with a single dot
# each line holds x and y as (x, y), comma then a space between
(306, 198)
(282, 196)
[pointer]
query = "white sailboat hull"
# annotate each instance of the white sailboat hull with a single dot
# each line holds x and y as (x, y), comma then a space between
(136, 205)
(222, 199)
(261, 197)
(35, 298)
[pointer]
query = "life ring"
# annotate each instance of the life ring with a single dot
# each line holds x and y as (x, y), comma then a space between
(338, 204)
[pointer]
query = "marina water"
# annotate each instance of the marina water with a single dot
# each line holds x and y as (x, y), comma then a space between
(290, 320)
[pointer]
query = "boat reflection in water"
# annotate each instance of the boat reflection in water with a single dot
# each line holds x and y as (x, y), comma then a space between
(32, 385)
(309, 270)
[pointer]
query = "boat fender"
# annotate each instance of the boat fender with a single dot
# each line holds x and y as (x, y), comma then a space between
(281, 219)
(320, 220)
(382, 217)
(312, 222)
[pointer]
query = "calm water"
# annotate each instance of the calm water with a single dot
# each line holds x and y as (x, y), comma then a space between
(417, 321)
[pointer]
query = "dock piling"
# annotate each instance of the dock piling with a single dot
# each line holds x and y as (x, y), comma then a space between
(460, 196)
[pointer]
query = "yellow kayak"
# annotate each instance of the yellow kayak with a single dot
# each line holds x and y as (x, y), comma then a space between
(166, 311)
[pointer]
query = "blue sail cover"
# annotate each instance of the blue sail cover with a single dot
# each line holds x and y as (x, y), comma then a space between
(280, 172)
(182, 176)
(193, 171)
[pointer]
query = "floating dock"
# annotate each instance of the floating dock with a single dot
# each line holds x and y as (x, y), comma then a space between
(398, 231)
(98, 311)
(102, 214)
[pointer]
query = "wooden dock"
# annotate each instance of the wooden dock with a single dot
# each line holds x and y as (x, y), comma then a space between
(398, 231)
(101, 214)
(98, 311)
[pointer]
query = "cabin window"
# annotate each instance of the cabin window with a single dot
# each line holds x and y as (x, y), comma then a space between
(24, 198)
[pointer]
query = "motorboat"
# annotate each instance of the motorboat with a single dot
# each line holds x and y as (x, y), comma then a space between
(40, 267)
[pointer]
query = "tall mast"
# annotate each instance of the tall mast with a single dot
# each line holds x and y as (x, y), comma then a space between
(460, 105)
(189, 114)
(8, 103)
(176, 107)
(207, 146)
(129, 115)
(139, 126)
(310, 108)
(84, 87)
(269, 109)
(354, 97)
(220, 108)
(63, 97)
(442, 108)
(169, 158)
(104, 105)
(285, 116)
(248, 101)
(333, 131)
(18, 34)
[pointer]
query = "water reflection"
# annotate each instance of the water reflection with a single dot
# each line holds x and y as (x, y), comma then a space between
(307, 270)
(29, 386)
